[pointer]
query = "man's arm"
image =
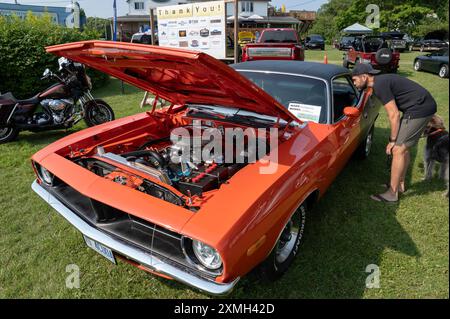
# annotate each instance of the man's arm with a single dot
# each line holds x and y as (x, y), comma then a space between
(394, 118)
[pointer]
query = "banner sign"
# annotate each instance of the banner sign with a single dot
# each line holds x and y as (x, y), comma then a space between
(197, 26)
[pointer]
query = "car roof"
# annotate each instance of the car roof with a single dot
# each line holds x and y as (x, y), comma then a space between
(320, 70)
(278, 29)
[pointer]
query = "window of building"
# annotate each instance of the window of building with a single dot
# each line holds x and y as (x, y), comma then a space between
(247, 6)
(139, 5)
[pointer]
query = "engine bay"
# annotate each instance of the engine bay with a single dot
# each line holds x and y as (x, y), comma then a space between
(158, 167)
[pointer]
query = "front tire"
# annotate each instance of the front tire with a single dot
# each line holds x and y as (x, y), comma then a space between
(8, 134)
(417, 65)
(286, 247)
(443, 71)
(98, 112)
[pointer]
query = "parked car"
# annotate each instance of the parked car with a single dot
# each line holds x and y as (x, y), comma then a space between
(274, 44)
(428, 45)
(397, 40)
(315, 41)
(210, 223)
(436, 62)
(346, 43)
(374, 50)
(245, 37)
(143, 38)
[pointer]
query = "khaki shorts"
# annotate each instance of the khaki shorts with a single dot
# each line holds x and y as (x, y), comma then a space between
(411, 130)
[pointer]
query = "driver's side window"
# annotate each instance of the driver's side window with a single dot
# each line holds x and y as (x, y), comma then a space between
(344, 94)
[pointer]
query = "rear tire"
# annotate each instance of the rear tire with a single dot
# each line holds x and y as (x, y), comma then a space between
(98, 112)
(365, 147)
(286, 247)
(8, 134)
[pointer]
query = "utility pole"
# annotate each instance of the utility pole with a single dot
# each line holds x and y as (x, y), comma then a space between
(115, 21)
(152, 26)
(236, 31)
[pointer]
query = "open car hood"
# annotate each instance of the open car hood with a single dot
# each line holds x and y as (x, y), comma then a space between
(176, 75)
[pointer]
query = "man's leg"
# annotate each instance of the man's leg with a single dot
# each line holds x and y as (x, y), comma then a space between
(398, 168)
(401, 186)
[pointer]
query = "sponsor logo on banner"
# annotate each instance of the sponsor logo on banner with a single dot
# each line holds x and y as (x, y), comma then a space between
(191, 21)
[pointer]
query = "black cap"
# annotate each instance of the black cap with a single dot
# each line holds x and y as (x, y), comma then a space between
(364, 68)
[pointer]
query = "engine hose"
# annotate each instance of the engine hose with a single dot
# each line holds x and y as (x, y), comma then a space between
(150, 142)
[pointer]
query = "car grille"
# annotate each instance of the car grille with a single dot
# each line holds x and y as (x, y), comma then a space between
(138, 232)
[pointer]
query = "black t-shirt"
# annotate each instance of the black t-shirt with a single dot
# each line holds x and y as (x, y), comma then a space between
(411, 98)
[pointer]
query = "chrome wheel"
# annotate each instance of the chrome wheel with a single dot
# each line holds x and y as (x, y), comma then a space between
(290, 237)
(287, 246)
(417, 65)
(286, 243)
(100, 115)
(7, 134)
(369, 140)
(98, 112)
(443, 71)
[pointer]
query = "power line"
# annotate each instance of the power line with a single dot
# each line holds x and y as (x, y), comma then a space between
(300, 4)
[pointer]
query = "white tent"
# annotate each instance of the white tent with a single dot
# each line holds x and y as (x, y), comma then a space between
(357, 29)
(255, 17)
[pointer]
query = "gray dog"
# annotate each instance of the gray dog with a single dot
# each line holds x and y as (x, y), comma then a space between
(436, 149)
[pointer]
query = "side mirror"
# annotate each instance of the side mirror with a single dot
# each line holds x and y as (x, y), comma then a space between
(351, 111)
(47, 73)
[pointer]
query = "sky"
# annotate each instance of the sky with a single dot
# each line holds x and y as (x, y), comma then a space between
(103, 8)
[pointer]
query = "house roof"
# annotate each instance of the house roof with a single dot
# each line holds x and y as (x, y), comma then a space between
(266, 19)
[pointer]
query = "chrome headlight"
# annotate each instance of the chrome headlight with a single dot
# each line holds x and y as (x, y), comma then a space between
(206, 255)
(45, 175)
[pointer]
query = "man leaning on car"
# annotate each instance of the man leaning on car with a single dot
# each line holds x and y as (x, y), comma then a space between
(398, 94)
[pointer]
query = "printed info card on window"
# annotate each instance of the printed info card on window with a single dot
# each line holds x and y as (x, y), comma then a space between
(305, 112)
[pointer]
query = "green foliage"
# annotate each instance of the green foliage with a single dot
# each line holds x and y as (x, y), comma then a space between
(23, 57)
(102, 26)
(414, 17)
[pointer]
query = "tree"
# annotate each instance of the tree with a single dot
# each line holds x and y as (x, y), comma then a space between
(100, 25)
(414, 17)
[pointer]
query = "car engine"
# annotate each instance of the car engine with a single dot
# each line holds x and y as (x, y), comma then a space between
(154, 161)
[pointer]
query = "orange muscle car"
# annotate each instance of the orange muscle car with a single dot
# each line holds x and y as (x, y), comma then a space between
(205, 223)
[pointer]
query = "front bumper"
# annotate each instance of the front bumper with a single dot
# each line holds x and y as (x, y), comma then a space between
(140, 256)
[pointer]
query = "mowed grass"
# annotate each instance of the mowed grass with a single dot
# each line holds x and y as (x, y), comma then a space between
(345, 233)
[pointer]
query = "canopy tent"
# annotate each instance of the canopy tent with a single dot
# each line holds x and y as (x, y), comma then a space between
(357, 29)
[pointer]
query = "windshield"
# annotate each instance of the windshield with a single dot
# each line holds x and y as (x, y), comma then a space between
(278, 36)
(304, 97)
(316, 37)
(373, 44)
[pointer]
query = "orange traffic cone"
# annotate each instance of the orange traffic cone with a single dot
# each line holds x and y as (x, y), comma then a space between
(325, 59)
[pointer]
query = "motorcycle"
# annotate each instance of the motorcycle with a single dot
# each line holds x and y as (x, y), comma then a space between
(60, 106)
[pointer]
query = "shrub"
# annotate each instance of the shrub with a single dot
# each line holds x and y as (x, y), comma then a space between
(23, 57)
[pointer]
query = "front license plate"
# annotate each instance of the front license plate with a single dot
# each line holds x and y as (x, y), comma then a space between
(102, 250)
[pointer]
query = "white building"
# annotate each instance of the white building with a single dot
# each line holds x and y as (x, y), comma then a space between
(249, 8)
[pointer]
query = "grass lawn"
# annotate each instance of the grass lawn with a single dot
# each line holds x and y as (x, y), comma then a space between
(346, 232)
